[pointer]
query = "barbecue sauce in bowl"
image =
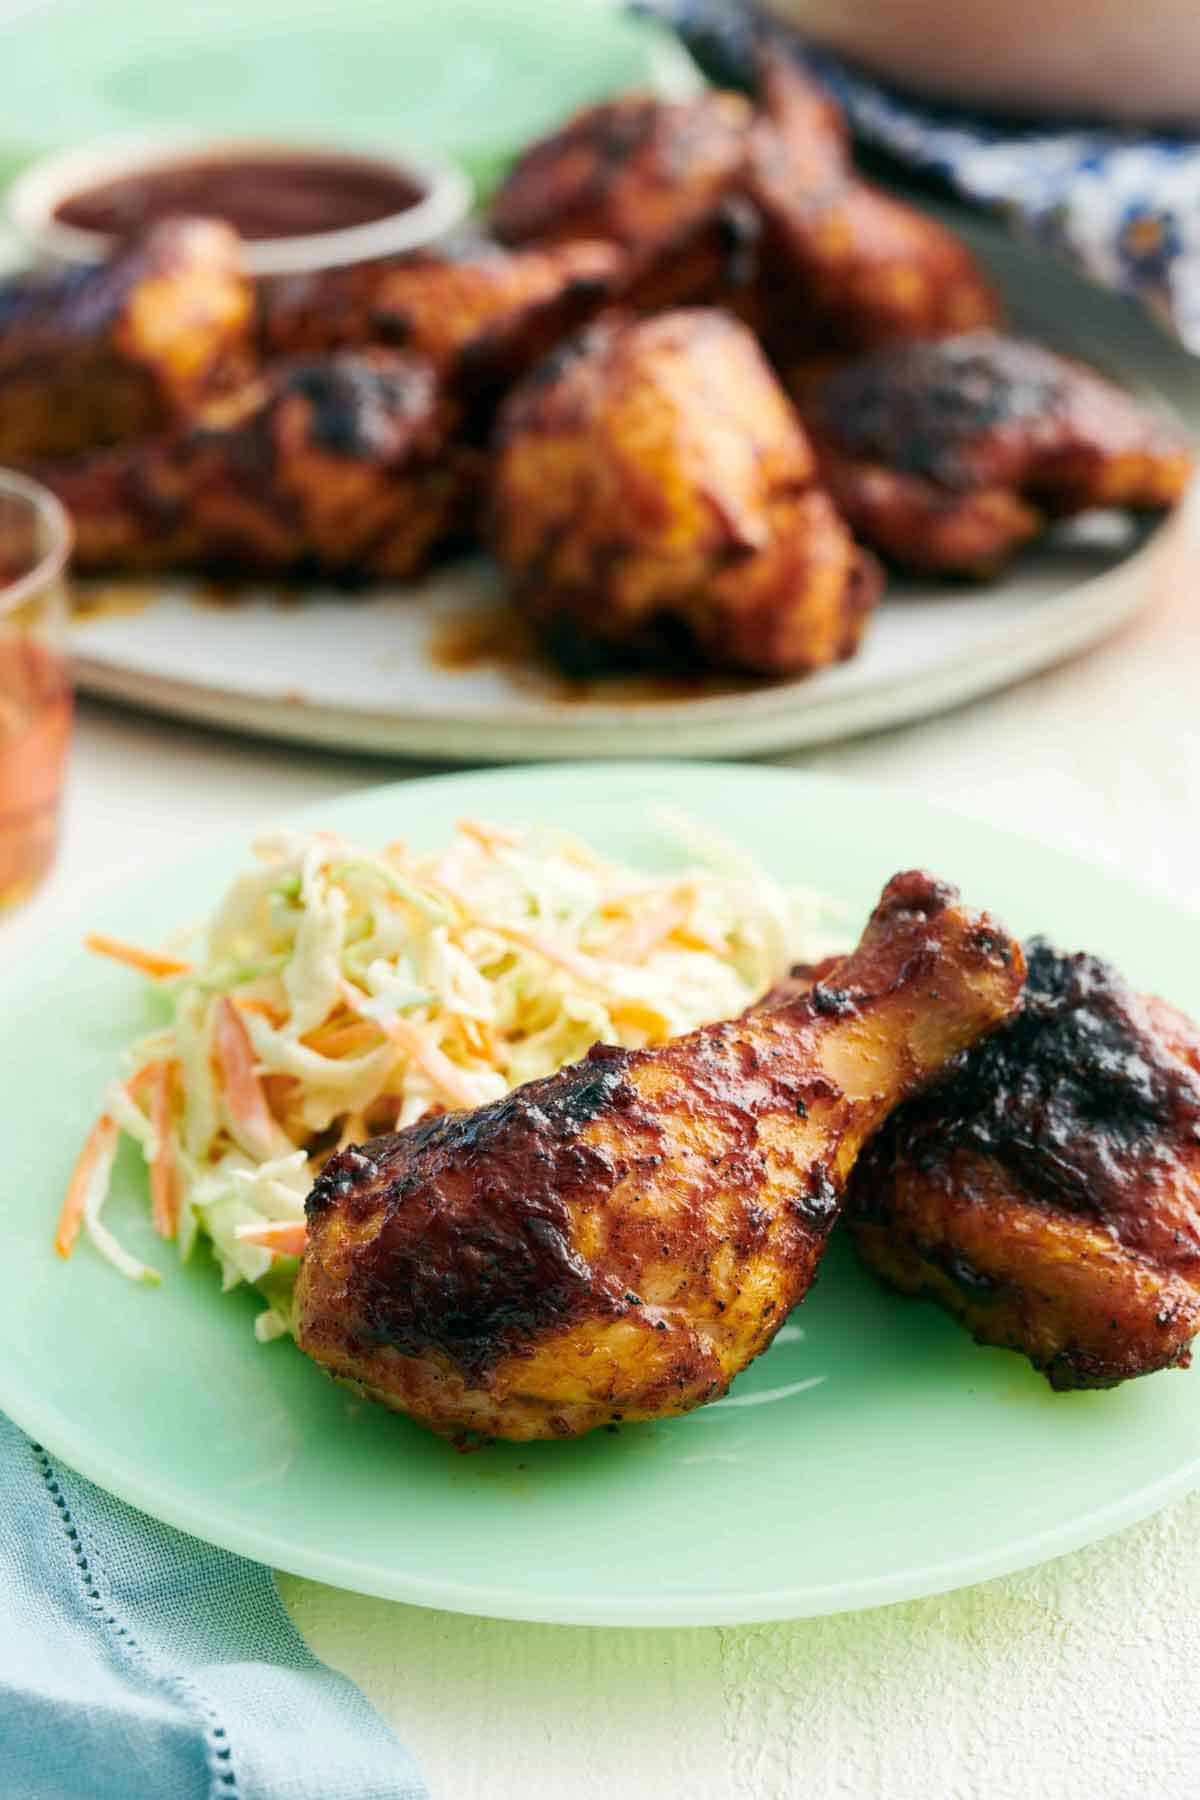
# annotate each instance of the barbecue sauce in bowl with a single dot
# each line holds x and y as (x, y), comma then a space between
(264, 196)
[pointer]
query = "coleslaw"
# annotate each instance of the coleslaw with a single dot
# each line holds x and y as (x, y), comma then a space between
(339, 992)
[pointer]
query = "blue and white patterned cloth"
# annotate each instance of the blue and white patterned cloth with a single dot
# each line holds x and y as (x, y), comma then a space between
(1122, 203)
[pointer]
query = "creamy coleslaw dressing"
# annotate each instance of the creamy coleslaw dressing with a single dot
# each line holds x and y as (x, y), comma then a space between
(338, 992)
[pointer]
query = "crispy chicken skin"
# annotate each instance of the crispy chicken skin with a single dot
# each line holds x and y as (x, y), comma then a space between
(619, 1240)
(93, 356)
(338, 465)
(639, 170)
(758, 208)
(651, 484)
(664, 179)
(949, 456)
(844, 264)
(1049, 1195)
(482, 316)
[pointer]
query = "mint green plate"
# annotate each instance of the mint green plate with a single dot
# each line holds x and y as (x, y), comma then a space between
(873, 1454)
(469, 78)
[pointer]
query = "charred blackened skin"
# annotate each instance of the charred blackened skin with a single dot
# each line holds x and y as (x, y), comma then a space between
(479, 1283)
(977, 1284)
(617, 134)
(833, 1002)
(358, 409)
(251, 487)
(355, 408)
(1067, 1097)
(1048, 1193)
(820, 1201)
(739, 234)
(918, 406)
(583, 342)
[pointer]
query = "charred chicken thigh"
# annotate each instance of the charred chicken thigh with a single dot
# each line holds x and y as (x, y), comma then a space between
(93, 356)
(651, 485)
(482, 316)
(641, 171)
(1049, 1194)
(844, 264)
(759, 208)
(948, 456)
(664, 179)
(617, 1241)
(340, 465)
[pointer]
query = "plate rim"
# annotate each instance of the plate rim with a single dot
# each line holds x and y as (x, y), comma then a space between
(111, 1470)
(758, 1607)
(773, 717)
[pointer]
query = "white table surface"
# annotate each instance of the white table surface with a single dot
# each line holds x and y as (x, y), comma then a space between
(1076, 1681)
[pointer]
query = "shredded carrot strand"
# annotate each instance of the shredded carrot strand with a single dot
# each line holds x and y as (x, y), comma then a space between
(489, 837)
(139, 1082)
(243, 1089)
(427, 1055)
(479, 1039)
(281, 1091)
(644, 934)
(164, 1174)
(154, 963)
(416, 1041)
(347, 1037)
(282, 1236)
(274, 1015)
(101, 1141)
(579, 966)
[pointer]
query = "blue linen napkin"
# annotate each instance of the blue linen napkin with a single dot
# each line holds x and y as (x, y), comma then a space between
(139, 1664)
(1122, 202)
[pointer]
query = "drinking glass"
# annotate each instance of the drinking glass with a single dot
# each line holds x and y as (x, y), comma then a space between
(35, 686)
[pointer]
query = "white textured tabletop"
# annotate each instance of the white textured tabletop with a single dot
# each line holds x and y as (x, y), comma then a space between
(1076, 1681)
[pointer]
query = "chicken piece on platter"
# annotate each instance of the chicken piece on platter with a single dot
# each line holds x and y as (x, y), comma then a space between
(844, 264)
(948, 456)
(640, 171)
(757, 208)
(653, 490)
(98, 355)
(482, 316)
(339, 466)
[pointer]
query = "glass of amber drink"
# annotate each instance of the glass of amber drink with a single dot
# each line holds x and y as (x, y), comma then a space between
(35, 686)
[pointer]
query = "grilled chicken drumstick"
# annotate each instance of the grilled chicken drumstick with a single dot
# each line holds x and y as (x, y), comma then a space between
(1049, 1195)
(948, 456)
(94, 356)
(339, 466)
(619, 1240)
(651, 484)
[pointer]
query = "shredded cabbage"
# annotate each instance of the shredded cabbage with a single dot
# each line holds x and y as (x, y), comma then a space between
(340, 992)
